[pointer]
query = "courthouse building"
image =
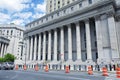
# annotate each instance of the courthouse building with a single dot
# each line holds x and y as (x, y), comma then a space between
(85, 32)
(4, 42)
(14, 34)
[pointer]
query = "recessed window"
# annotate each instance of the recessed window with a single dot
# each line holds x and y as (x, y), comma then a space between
(80, 5)
(71, 8)
(90, 1)
(52, 16)
(57, 14)
(64, 11)
(58, 2)
(46, 19)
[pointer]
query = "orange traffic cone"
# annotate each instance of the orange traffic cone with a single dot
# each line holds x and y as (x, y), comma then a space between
(16, 67)
(118, 73)
(67, 70)
(46, 68)
(36, 67)
(104, 70)
(25, 67)
(90, 72)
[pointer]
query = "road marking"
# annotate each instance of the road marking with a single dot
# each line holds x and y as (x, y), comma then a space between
(14, 77)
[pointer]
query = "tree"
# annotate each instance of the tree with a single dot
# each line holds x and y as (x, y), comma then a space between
(1, 60)
(9, 58)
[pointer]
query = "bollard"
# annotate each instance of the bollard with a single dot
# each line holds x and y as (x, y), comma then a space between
(90, 72)
(118, 72)
(36, 67)
(25, 67)
(67, 70)
(46, 68)
(16, 67)
(104, 70)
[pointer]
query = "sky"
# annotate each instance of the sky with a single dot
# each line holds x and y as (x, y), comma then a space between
(21, 12)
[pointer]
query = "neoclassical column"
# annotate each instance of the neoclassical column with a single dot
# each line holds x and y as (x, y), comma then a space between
(113, 36)
(99, 37)
(5, 48)
(2, 50)
(78, 41)
(44, 46)
(0, 47)
(39, 48)
(62, 43)
(88, 40)
(55, 45)
(27, 54)
(49, 45)
(35, 46)
(31, 47)
(69, 43)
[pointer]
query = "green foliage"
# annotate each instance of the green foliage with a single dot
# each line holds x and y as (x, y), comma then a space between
(7, 58)
(1, 60)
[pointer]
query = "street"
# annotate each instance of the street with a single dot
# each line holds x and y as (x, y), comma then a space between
(51, 75)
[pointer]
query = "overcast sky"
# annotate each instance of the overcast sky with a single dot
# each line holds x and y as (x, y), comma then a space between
(21, 12)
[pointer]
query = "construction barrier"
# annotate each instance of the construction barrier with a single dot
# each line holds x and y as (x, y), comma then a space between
(90, 71)
(67, 70)
(16, 67)
(36, 67)
(46, 68)
(25, 67)
(104, 71)
(118, 72)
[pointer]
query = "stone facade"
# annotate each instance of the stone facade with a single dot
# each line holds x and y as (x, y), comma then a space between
(4, 42)
(79, 34)
(15, 34)
(52, 5)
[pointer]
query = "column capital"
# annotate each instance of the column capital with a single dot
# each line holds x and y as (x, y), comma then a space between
(110, 14)
(97, 17)
(77, 23)
(86, 20)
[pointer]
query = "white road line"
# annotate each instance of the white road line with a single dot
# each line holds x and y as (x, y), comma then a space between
(14, 77)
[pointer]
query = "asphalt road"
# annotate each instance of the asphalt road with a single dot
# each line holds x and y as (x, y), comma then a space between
(51, 75)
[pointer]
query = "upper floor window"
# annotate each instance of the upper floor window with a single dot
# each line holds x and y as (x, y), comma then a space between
(71, 8)
(58, 2)
(90, 1)
(80, 5)
(11, 32)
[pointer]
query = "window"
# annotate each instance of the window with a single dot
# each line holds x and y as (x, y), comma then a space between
(80, 5)
(58, 2)
(52, 16)
(90, 1)
(46, 19)
(7, 32)
(64, 11)
(68, 2)
(72, 8)
(58, 14)
(95, 44)
(11, 32)
(41, 20)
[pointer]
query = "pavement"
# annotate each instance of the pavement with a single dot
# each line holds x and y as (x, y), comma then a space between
(52, 75)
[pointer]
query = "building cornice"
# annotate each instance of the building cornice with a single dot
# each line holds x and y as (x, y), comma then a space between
(87, 12)
(4, 40)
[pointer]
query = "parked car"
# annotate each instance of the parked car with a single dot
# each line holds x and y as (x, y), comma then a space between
(7, 66)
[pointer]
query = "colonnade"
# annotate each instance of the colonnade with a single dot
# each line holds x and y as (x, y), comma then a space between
(3, 49)
(45, 46)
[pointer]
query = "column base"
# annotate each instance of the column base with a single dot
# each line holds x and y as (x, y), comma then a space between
(90, 62)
